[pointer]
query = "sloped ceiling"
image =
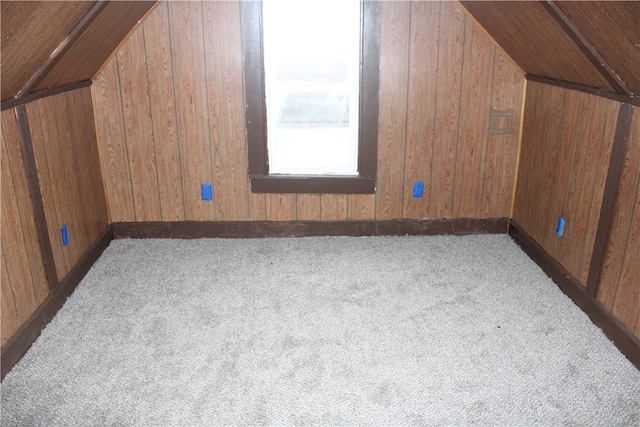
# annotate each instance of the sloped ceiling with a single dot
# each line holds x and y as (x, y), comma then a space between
(51, 44)
(590, 43)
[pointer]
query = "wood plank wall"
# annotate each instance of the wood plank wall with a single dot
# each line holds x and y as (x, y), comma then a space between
(619, 289)
(565, 158)
(566, 146)
(24, 282)
(64, 142)
(170, 116)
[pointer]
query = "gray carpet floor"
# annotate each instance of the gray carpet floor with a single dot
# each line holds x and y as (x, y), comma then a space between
(333, 330)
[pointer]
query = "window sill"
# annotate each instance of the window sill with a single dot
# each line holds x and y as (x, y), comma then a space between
(334, 184)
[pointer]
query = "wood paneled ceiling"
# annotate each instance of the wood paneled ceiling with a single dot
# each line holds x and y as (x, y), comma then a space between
(589, 43)
(51, 44)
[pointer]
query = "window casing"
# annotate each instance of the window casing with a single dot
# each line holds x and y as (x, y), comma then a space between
(262, 181)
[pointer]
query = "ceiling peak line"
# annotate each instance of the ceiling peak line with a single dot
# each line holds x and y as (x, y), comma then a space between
(587, 47)
(59, 51)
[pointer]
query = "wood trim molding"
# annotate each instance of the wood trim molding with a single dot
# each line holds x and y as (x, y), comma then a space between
(586, 89)
(18, 345)
(313, 184)
(10, 103)
(586, 47)
(59, 51)
(22, 340)
(256, 121)
(29, 161)
(612, 185)
(254, 229)
(628, 344)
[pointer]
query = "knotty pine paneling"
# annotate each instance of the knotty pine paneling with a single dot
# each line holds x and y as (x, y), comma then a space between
(563, 166)
(440, 79)
(619, 289)
(64, 143)
(24, 283)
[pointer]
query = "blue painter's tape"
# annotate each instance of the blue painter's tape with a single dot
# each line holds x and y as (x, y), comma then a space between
(64, 231)
(418, 189)
(207, 192)
(560, 226)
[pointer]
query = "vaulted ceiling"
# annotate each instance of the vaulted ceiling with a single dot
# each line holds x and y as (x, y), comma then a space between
(590, 43)
(52, 44)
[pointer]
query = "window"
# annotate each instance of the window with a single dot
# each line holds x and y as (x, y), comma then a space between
(312, 101)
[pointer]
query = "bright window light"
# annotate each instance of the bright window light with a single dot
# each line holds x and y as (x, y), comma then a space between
(311, 67)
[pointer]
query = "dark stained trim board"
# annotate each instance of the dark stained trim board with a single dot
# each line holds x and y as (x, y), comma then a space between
(62, 48)
(29, 160)
(253, 229)
(586, 89)
(10, 103)
(313, 184)
(613, 329)
(22, 340)
(18, 345)
(589, 50)
(612, 185)
(255, 114)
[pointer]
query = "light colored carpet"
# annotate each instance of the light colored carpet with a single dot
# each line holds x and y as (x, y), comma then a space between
(334, 330)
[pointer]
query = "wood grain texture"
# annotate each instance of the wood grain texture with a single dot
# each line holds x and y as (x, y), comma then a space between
(9, 317)
(308, 207)
(600, 177)
(423, 72)
(53, 186)
(114, 157)
(96, 44)
(189, 73)
(362, 206)
(610, 28)
(65, 148)
(24, 283)
(162, 99)
(565, 155)
(394, 69)
(334, 207)
(619, 287)
(194, 77)
(29, 38)
(626, 303)
(502, 148)
(450, 54)
(228, 134)
(281, 207)
(521, 202)
(138, 125)
(540, 46)
(475, 107)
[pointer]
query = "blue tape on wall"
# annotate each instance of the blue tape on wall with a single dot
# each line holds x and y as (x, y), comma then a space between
(64, 231)
(418, 189)
(560, 226)
(207, 192)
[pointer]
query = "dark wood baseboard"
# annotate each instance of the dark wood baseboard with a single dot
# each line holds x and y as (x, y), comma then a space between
(251, 229)
(22, 340)
(24, 337)
(628, 344)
